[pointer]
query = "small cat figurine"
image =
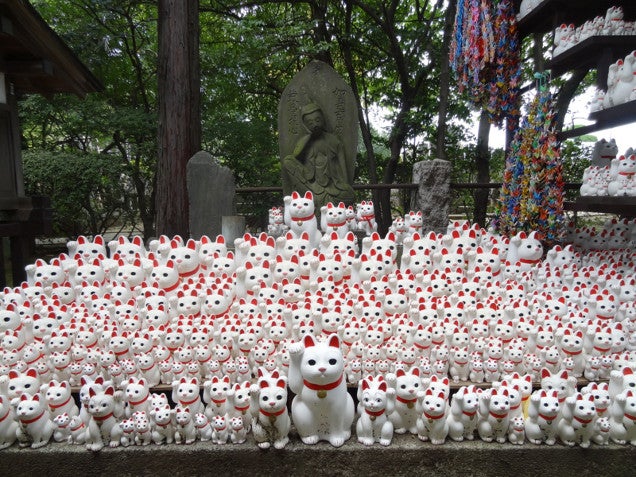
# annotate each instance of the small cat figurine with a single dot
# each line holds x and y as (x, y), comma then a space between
(221, 432)
(433, 423)
(272, 423)
(238, 431)
(543, 410)
(203, 426)
(164, 428)
(365, 217)
(376, 403)
(516, 431)
(59, 399)
(102, 424)
(186, 432)
(334, 219)
(300, 216)
(407, 387)
(185, 392)
(494, 415)
(8, 423)
(322, 408)
(462, 420)
(577, 424)
(622, 418)
(36, 426)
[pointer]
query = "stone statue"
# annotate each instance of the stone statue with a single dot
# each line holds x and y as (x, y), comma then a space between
(318, 135)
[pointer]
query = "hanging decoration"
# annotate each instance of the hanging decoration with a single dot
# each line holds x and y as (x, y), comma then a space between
(485, 56)
(532, 190)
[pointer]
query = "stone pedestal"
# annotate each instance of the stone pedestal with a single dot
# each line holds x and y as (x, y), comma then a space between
(433, 194)
(211, 193)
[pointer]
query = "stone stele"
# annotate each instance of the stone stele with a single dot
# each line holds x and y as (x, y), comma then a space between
(433, 193)
(319, 85)
(211, 192)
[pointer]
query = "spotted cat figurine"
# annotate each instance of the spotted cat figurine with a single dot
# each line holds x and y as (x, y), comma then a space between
(271, 424)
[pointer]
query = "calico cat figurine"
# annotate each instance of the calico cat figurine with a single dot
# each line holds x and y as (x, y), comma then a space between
(322, 408)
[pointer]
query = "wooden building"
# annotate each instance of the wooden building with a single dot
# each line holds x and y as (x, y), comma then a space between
(33, 59)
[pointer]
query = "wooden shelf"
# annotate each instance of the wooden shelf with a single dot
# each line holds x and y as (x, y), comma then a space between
(606, 118)
(551, 13)
(623, 206)
(594, 52)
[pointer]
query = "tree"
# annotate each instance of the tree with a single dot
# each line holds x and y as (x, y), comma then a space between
(179, 118)
(117, 39)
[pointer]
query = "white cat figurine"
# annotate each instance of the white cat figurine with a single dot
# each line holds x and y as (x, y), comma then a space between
(36, 426)
(272, 423)
(102, 424)
(577, 424)
(462, 419)
(377, 401)
(322, 408)
(8, 423)
(300, 217)
(432, 423)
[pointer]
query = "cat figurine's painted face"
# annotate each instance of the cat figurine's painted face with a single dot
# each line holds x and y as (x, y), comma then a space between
(301, 206)
(407, 385)
(272, 397)
(322, 363)
(22, 383)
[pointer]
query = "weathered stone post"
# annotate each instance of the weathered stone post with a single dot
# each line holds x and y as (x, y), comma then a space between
(433, 194)
(211, 193)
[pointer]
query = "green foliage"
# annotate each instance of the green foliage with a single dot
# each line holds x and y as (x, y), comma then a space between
(89, 193)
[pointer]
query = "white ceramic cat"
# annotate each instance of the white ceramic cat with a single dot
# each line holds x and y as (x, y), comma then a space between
(272, 423)
(494, 415)
(365, 217)
(59, 399)
(300, 217)
(462, 419)
(185, 392)
(203, 427)
(623, 418)
(185, 431)
(238, 431)
(8, 423)
(516, 430)
(322, 408)
(221, 432)
(432, 423)
(36, 426)
(408, 388)
(164, 428)
(102, 424)
(376, 403)
(577, 424)
(543, 411)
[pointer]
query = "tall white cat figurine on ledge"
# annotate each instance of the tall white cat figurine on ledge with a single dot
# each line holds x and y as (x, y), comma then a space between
(322, 408)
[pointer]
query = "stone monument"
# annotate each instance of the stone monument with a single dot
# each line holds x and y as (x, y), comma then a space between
(211, 192)
(433, 193)
(318, 135)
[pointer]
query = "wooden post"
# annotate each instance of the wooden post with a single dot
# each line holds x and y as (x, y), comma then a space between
(179, 111)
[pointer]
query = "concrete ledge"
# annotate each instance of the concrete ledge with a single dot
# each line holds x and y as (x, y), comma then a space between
(407, 456)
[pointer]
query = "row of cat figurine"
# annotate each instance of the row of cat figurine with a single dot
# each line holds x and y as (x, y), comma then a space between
(402, 403)
(621, 86)
(338, 218)
(610, 174)
(613, 23)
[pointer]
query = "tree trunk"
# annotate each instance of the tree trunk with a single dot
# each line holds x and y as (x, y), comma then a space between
(444, 80)
(566, 93)
(179, 111)
(482, 164)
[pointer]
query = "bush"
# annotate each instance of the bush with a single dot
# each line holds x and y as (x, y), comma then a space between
(90, 193)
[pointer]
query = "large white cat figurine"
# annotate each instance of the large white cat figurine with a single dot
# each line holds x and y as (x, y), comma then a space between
(322, 408)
